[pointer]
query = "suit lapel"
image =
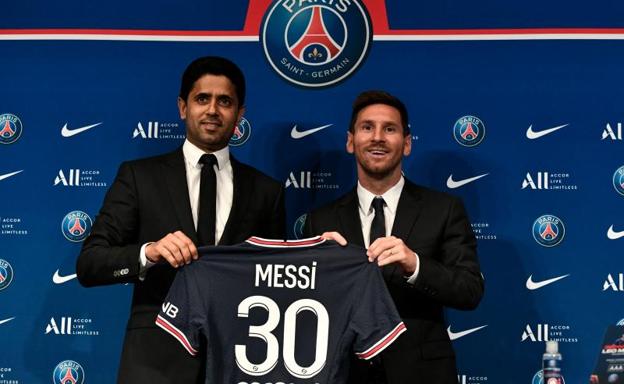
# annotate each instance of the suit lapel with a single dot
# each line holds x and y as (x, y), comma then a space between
(407, 212)
(242, 191)
(349, 219)
(174, 173)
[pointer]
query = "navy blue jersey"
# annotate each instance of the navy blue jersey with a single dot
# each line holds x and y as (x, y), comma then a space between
(273, 311)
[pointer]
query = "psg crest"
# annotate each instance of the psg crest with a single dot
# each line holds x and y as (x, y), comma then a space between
(315, 44)
(548, 230)
(538, 378)
(242, 131)
(10, 128)
(6, 274)
(76, 226)
(469, 131)
(618, 180)
(68, 372)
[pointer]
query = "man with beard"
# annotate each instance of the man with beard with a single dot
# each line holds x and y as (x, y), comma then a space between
(421, 238)
(160, 209)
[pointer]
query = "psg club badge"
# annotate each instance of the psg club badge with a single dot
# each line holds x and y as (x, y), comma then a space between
(6, 274)
(548, 230)
(242, 131)
(76, 226)
(316, 44)
(10, 128)
(538, 378)
(469, 131)
(618, 180)
(68, 372)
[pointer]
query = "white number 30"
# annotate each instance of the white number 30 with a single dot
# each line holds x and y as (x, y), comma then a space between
(290, 325)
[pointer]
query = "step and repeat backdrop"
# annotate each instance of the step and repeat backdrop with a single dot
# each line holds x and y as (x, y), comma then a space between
(517, 108)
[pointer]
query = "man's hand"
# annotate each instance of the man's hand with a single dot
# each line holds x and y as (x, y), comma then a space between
(175, 248)
(337, 237)
(389, 250)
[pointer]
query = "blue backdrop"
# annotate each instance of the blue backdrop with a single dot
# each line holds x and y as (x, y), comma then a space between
(519, 68)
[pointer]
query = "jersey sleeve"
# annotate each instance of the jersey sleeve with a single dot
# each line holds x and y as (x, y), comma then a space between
(376, 321)
(182, 314)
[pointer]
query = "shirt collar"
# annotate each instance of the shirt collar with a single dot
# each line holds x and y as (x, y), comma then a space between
(391, 197)
(192, 154)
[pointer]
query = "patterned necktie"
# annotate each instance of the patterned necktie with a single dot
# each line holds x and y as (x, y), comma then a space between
(207, 216)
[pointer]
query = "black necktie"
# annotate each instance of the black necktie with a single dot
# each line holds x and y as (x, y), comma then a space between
(207, 217)
(378, 226)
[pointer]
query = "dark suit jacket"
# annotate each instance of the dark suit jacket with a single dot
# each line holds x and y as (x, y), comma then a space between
(148, 199)
(436, 227)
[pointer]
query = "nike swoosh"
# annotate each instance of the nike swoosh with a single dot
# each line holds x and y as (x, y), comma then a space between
(452, 184)
(66, 132)
(532, 285)
(295, 134)
(58, 279)
(457, 335)
(531, 134)
(7, 175)
(614, 235)
(6, 320)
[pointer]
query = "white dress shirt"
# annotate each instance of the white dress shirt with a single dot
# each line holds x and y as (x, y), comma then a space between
(367, 213)
(225, 189)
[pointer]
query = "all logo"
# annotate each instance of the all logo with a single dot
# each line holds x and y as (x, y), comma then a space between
(298, 226)
(615, 284)
(311, 180)
(469, 131)
(76, 226)
(548, 230)
(548, 181)
(546, 332)
(242, 132)
(618, 180)
(67, 325)
(612, 134)
(10, 128)
(78, 178)
(6, 274)
(157, 130)
(316, 45)
(68, 372)
(538, 378)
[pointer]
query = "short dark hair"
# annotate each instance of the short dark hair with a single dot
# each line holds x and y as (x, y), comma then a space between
(367, 98)
(213, 65)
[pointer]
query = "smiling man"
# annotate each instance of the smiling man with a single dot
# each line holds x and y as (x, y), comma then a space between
(160, 209)
(421, 238)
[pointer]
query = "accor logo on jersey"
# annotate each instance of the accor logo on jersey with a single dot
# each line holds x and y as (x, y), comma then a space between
(618, 180)
(242, 132)
(10, 128)
(76, 226)
(68, 372)
(469, 131)
(6, 274)
(548, 230)
(316, 44)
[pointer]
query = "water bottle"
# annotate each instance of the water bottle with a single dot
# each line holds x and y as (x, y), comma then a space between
(551, 364)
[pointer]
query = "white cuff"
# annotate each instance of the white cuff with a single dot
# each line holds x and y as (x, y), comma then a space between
(144, 263)
(412, 279)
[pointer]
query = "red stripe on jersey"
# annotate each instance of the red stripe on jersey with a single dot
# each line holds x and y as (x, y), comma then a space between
(285, 244)
(175, 332)
(383, 343)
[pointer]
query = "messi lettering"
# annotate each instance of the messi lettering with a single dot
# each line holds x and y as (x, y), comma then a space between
(286, 276)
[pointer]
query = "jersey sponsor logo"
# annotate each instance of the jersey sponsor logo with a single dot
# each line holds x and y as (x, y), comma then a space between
(242, 133)
(533, 285)
(469, 131)
(618, 180)
(6, 274)
(316, 45)
(613, 234)
(68, 372)
(298, 226)
(10, 128)
(297, 134)
(66, 132)
(548, 230)
(7, 175)
(452, 184)
(60, 279)
(170, 310)
(532, 134)
(538, 378)
(76, 226)
(611, 133)
(456, 335)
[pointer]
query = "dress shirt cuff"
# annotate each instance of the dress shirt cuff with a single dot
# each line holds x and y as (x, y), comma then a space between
(412, 279)
(144, 263)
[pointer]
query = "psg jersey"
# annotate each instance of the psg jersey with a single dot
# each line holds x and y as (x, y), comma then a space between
(270, 311)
